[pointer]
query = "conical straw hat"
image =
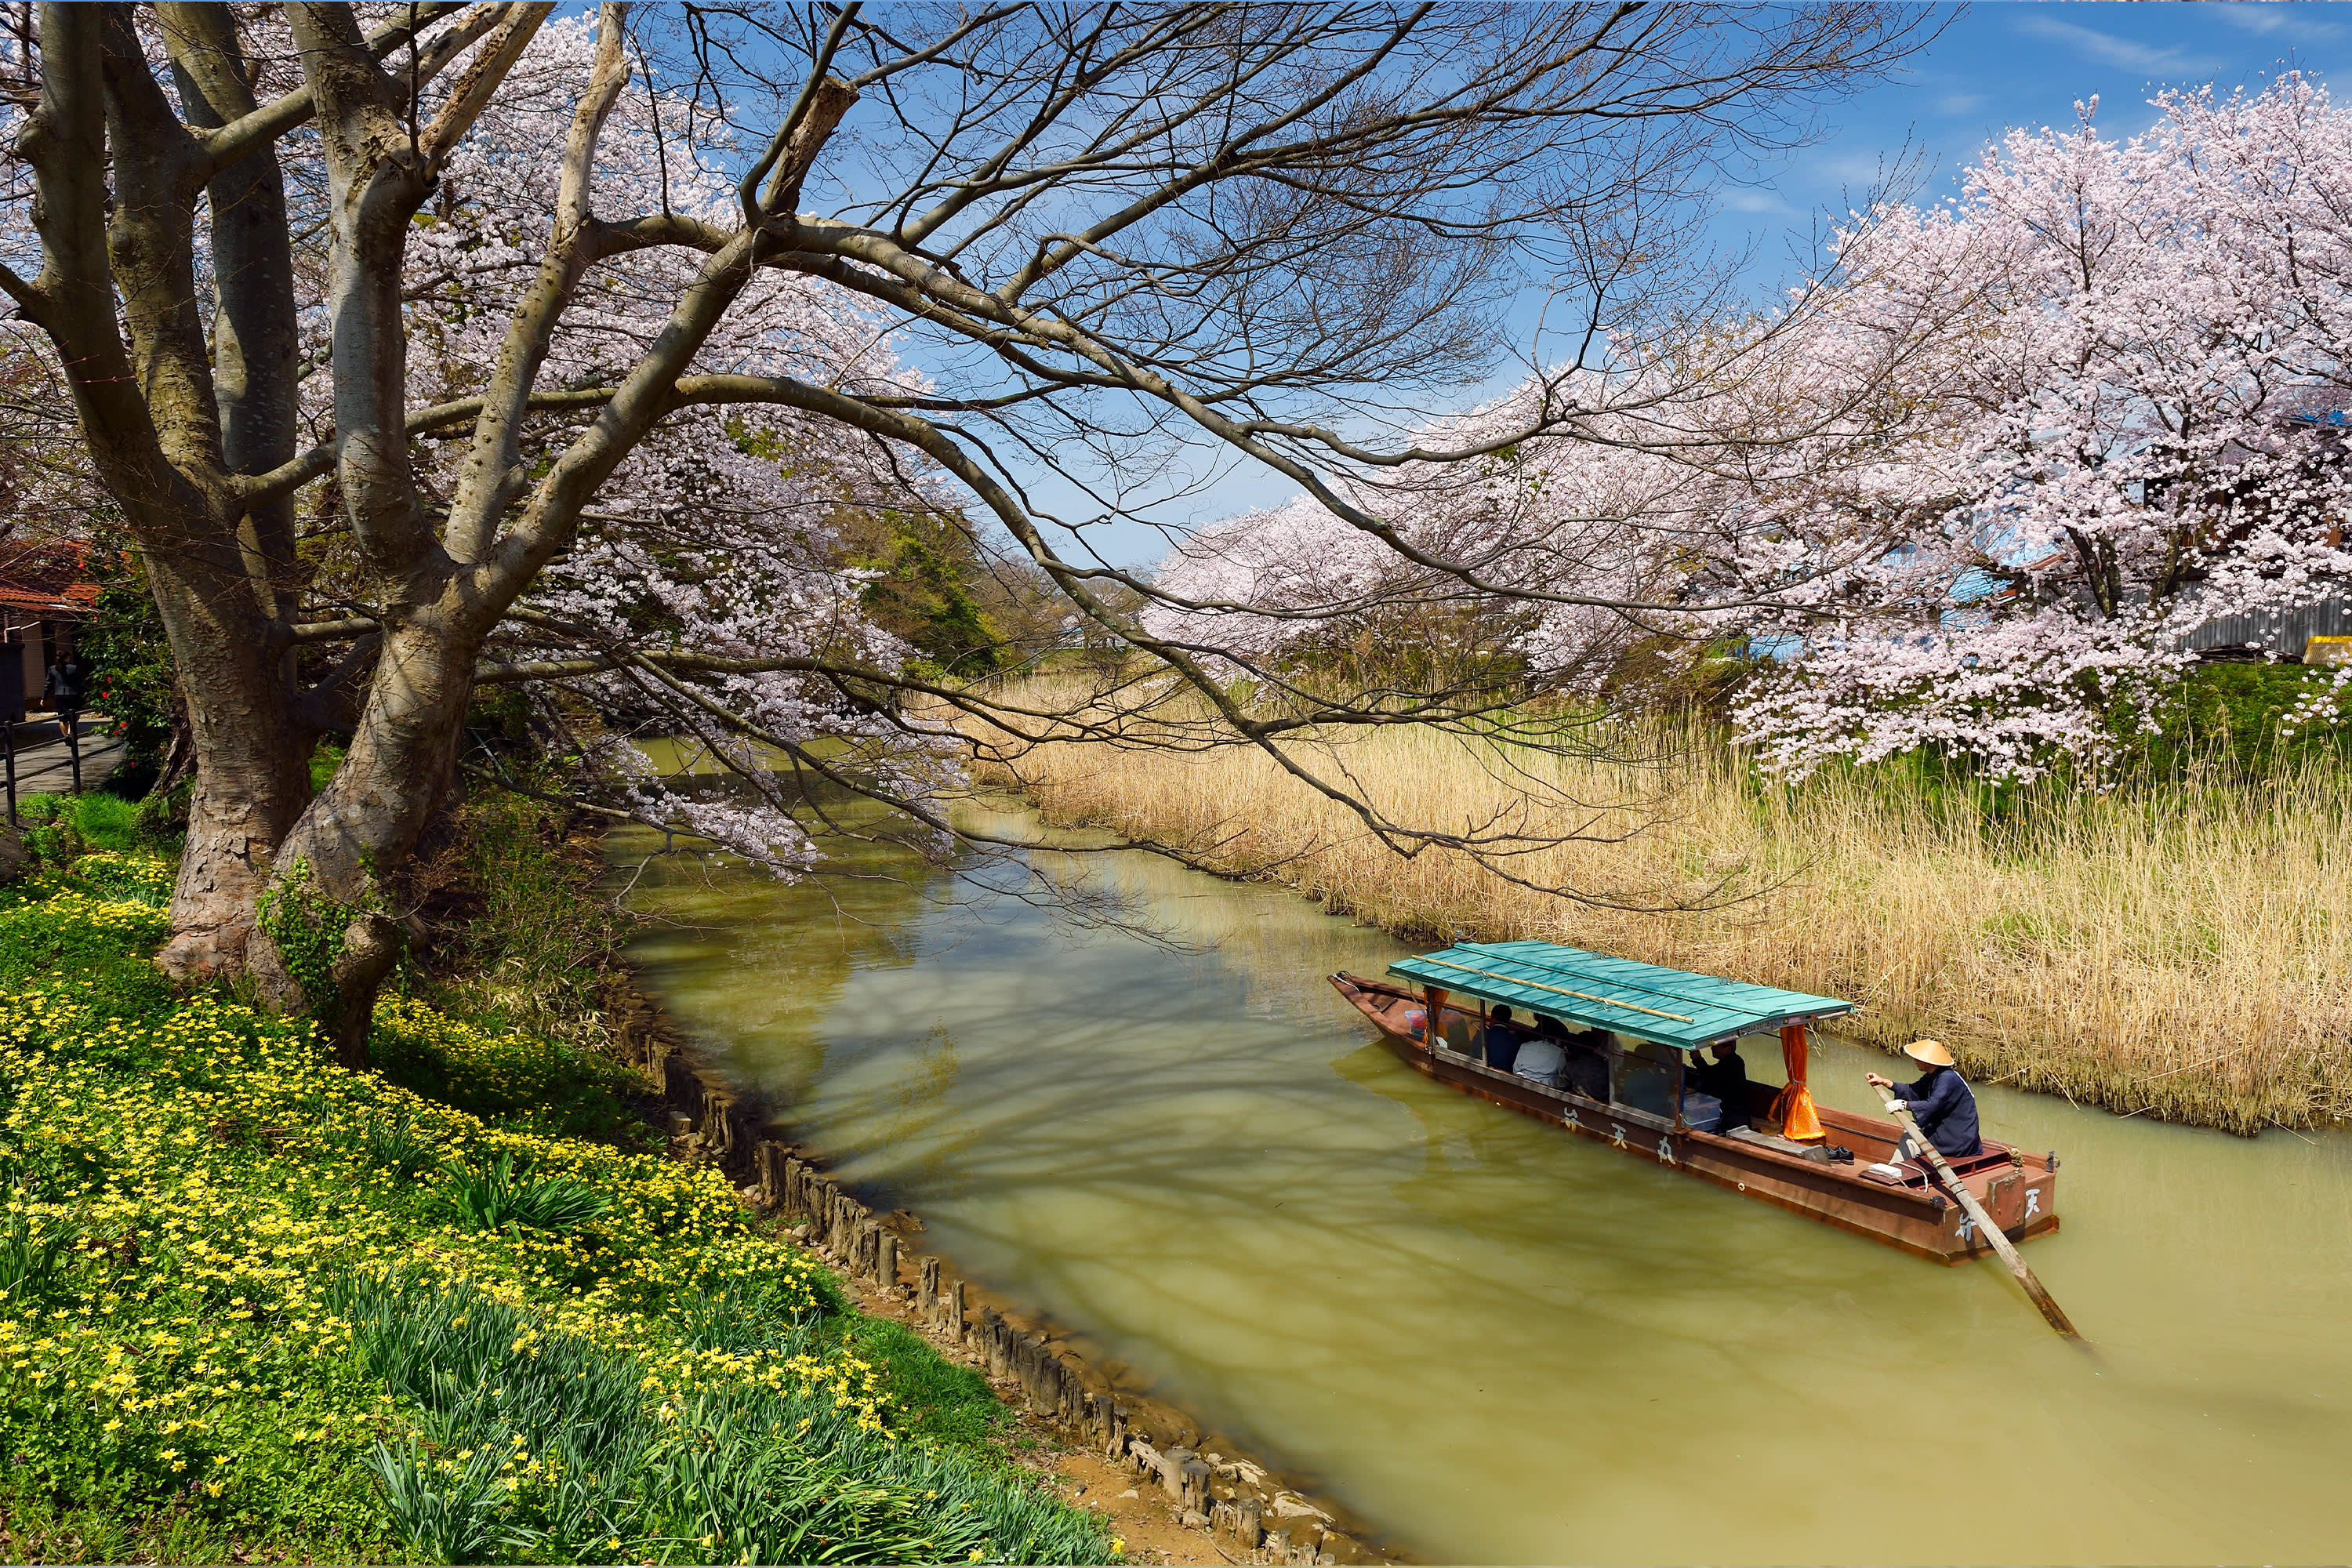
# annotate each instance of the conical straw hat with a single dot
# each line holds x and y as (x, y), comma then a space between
(1930, 1052)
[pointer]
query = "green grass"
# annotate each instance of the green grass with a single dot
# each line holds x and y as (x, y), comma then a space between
(59, 827)
(504, 1076)
(938, 1397)
(255, 1307)
(522, 935)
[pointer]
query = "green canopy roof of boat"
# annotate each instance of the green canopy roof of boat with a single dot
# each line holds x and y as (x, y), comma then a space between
(1590, 991)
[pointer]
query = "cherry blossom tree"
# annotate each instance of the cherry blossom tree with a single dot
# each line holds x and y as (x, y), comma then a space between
(1732, 485)
(425, 347)
(1981, 483)
(2137, 432)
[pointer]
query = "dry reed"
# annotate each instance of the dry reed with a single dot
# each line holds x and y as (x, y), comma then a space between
(2182, 954)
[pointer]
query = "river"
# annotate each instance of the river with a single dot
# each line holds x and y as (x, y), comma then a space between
(1491, 1342)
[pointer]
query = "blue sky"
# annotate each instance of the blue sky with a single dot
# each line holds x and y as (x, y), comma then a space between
(1995, 65)
(2003, 64)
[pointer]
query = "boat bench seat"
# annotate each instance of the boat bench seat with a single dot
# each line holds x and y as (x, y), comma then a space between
(1816, 1152)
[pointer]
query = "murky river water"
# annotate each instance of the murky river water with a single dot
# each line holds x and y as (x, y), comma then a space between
(1497, 1344)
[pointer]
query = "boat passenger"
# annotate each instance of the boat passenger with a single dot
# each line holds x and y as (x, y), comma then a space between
(1940, 1102)
(1502, 1039)
(1540, 1059)
(1726, 1078)
(1588, 1066)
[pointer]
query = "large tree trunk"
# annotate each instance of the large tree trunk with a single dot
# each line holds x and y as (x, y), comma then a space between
(252, 777)
(183, 418)
(332, 932)
(153, 428)
(252, 770)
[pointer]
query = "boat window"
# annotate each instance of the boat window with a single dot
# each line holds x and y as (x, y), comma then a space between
(1643, 1078)
(1457, 1030)
(1762, 1054)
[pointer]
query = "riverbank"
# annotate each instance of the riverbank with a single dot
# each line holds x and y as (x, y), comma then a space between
(2181, 952)
(467, 1308)
(1169, 1490)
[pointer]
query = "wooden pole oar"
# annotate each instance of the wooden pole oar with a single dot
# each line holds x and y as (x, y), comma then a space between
(2050, 1311)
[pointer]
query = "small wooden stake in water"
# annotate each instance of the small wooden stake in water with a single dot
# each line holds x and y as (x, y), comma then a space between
(2050, 1311)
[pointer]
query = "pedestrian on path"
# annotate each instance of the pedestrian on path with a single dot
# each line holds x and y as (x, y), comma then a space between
(62, 689)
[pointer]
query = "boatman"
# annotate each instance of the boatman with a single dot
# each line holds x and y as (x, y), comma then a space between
(1941, 1103)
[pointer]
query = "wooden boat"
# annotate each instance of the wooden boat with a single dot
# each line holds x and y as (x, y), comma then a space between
(1638, 1020)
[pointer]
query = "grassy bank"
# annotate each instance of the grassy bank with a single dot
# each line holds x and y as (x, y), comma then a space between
(255, 1307)
(2182, 951)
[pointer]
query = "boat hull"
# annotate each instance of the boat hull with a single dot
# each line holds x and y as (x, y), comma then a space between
(2018, 1189)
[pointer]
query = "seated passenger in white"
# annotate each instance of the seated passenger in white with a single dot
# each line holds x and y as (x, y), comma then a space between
(1540, 1057)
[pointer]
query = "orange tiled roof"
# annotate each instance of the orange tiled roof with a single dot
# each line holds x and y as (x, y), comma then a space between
(45, 574)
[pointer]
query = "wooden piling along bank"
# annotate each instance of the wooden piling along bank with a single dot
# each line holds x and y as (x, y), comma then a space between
(1252, 1518)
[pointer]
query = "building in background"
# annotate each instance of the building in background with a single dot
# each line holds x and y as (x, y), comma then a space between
(44, 595)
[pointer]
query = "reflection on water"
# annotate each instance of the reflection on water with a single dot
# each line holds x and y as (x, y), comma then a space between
(1497, 1344)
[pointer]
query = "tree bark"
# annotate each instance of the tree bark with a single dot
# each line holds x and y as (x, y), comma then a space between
(153, 435)
(356, 833)
(254, 779)
(345, 850)
(256, 350)
(252, 772)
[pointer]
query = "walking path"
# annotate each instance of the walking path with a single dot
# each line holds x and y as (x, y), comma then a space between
(45, 764)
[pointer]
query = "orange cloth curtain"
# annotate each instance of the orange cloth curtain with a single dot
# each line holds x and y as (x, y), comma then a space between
(1794, 1107)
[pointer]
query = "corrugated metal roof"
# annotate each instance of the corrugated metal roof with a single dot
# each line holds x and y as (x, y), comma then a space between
(1596, 992)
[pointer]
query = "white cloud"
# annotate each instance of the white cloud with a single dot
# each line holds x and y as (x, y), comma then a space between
(2123, 54)
(2276, 19)
(1960, 102)
(1864, 166)
(1755, 199)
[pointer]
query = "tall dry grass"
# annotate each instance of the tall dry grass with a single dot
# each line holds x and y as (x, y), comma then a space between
(2182, 953)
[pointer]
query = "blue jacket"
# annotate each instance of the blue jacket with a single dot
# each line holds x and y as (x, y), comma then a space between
(1502, 1047)
(1946, 1111)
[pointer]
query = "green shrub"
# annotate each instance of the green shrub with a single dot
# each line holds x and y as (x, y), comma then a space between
(532, 934)
(163, 815)
(103, 821)
(396, 1145)
(503, 1076)
(496, 1194)
(60, 829)
(33, 1258)
(2234, 709)
(137, 688)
